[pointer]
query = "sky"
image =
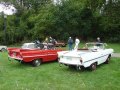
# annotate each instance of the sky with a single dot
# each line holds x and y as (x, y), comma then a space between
(56, 1)
(10, 9)
(7, 9)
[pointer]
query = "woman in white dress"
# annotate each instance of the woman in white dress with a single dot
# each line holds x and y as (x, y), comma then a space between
(77, 41)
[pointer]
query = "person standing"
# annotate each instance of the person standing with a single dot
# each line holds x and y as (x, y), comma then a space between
(98, 40)
(54, 43)
(46, 40)
(77, 41)
(50, 39)
(70, 43)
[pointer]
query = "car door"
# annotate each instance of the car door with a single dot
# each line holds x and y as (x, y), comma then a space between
(44, 55)
(102, 56)
(96, 57)
(51, 55)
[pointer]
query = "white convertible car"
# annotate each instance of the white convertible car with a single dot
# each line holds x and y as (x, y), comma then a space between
(92, 55)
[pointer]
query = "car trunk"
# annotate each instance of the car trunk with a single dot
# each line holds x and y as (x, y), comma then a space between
(15, 53)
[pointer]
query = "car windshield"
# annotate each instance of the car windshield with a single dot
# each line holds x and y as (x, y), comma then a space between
(95, 45)
(24, 46)
(40, 46)
(28, 46)
(31, 46)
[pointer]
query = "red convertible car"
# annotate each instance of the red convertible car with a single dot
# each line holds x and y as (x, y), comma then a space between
(33, 55)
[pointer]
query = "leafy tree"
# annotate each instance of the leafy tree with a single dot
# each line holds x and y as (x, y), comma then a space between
(87, 19)
(110, 21)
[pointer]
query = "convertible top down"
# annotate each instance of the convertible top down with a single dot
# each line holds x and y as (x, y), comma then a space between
(29, 52)
(91, 56)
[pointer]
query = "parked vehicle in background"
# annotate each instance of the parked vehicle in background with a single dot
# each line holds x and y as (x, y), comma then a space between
(94, 54)
(60, 44)
(3, 48)
(35, 54)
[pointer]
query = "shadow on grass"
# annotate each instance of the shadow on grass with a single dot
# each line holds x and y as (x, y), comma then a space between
(55, 64)
(17, 64)
(74, 69)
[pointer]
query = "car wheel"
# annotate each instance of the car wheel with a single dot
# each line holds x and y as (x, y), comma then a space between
(3, 50)
(108, 60)
(78, 68)
(82, 68)
(70, 66)
(93, 66)
(36, 63)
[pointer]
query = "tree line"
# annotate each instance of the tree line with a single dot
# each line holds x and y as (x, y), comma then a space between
(38, 19)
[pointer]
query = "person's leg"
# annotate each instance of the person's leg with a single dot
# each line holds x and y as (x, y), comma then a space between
(76, 47)
(70, 47)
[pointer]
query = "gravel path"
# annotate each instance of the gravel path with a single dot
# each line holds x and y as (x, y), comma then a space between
(116, 55)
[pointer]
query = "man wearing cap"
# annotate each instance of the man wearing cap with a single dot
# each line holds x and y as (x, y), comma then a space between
(70, 43)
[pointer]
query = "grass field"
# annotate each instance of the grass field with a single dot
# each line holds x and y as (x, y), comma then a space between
(115, 46)
(50, 76)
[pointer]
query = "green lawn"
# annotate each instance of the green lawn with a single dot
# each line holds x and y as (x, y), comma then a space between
(115, 46)
(50, 76)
